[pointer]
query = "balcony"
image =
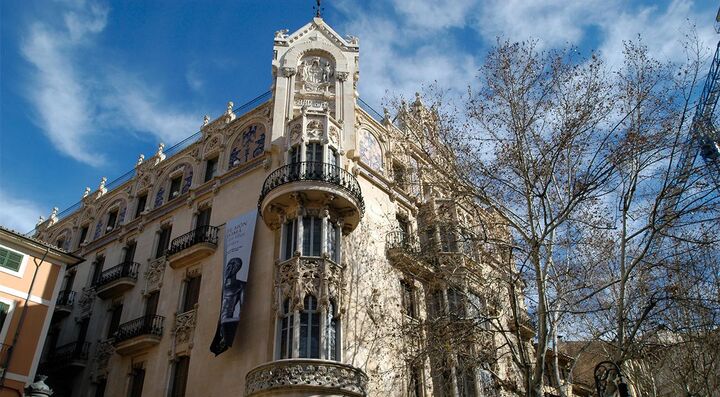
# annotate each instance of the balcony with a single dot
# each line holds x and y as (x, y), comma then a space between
(64, 303)
(139, 334)
(72, 356)
(306, 377)
(116, 280)
(316, 181)
(404, 252)
(192, 246)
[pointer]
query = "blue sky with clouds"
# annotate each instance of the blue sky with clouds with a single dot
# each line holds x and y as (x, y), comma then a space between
(88, 85)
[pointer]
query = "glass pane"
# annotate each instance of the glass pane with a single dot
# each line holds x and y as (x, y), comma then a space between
(307, 231)
(316, 236)
(304, 318)
(289, 239)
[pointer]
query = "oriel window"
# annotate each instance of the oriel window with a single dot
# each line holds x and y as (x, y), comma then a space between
(310, 329)
(286, 331)
(312, 237)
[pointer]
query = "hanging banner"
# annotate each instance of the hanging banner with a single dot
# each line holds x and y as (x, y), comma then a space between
(239, 233)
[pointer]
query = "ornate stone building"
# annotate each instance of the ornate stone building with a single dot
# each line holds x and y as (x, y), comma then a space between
(364, 277)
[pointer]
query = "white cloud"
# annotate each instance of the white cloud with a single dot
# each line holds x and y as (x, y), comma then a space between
(18, 214)
(74, 112)
(432, 15)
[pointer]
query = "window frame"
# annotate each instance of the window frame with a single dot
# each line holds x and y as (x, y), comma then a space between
(286, 331)
(21, 268)
(208, 161)
(112, 215)
(174, 384)
(8, 317)
(171, 183)
(311, 326)
(141, 198)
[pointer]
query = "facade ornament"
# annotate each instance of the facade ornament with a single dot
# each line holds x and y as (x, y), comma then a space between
(281, 34)
(304, 110)
(104, 351)
(206, 120)
(40, 220)
(185, 326)
(140, 160)
(53, 215)
(288, 71)
(386, 116)
(229, 115)
(341, 76)
(154, 274)
(353, 40)
(39, 388)
(101, 187)
(159, 155)
(87, 192)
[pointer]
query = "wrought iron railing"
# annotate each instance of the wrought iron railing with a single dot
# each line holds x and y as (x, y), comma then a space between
(402, 241)
(65, 298)
(146, 325)
(202, 234)
(74, 351)
(123, 270)
(314, 171)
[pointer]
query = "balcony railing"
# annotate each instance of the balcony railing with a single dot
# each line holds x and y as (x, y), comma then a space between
(202, 234)
(74, 351)
(123, 270)
(145, 325)
(314, 171)
(65, 298)
(402, 241)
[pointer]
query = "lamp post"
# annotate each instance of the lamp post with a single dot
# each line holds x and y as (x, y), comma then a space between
(603, 374)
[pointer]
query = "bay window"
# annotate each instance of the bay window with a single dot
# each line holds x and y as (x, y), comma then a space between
(310, 230)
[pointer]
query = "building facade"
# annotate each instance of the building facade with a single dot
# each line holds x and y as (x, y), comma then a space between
(360, 281)
(30, 275)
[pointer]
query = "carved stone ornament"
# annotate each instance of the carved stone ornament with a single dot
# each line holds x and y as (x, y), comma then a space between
(104, 351)
(314, 129)
(316, 74)
(85, 303)
(341, 76)
(154, 274)
(334, 135)
(327, 378)
(288, 71)
(295, 133)
(299, 276)
(185, 326)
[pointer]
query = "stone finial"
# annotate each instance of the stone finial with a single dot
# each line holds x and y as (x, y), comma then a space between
(353, 40)
(87, 192)
(386, 116)
(418, 100)
(206, 120)
(159, 155)
(53, 213)
(229, 115)
(40, 220)
(140, 159)
(102, 183)
(281, 34)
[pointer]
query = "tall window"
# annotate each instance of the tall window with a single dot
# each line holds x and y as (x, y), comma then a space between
(456, 302)
(286, 331)
(97, 269)
(141, 203)
(203, 217)
(192, 293)
(314, 156)
(210, 168)
(4, 310)
(436, 305)
(112, 220)
(10, 260)
(290, 238)
(447, 239)
(180, 375)
(408, 299)
(136, 383)
(400, 177)
(83, 234)
(312, 237)
(415, 386)
(175, 187)
(60, 243)
(331, 332)
(151, 303)
(115, 315)
(465, 377)
(310, 329)
(129, 255)
(163, 241)
(332, 237)
(100, 387)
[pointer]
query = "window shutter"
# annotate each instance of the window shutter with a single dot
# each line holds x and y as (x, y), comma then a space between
(10, 260)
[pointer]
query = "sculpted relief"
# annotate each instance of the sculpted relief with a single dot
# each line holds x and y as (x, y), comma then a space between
(316, 74)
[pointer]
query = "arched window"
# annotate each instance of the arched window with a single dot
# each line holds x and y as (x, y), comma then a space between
(331, 332)
(310, 329)
(286, 331)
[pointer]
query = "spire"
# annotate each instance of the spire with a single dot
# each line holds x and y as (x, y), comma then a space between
(318, 9)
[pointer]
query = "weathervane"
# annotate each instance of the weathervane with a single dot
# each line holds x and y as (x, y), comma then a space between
(317, 9)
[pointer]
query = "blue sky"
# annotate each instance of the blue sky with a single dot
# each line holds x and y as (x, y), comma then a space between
(88, 85)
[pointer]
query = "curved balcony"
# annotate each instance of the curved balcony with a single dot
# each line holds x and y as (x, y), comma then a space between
(306, 377)
(139, 334)
(64, 303)
(116, 280)
(72, 356)
(316, 181)
(192, 246)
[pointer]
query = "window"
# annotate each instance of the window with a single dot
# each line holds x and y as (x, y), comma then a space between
(116, 313)
(415, 386)
(83, 329)
(151, 303)
(456, 302)
(310, 329)
(400, 176)
(332, 237)
(286, 331)
(180, 374)
(290, 238)
(175, 187)
(83, 234)
(436, 305)
(141, 203)
(314, 159)
(97, 269)
(408, 299)
(100, 388)
(112, 220)
(203, 217)
(192, 293)
(163, 241)
(447, 239)
(10, 260)
(60, 243)
(311, 235)
(465, 377)
(210, 168)
(5, 308)
(331, 332)
(136, 383)
(129, 254)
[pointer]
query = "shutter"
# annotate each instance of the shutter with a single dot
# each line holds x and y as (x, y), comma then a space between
(10, 260)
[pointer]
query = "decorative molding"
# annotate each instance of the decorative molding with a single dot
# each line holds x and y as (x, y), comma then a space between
(327, 377)
(154, 274)
(185, 326)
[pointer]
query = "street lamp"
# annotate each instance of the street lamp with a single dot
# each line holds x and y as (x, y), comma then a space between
(606, 372)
